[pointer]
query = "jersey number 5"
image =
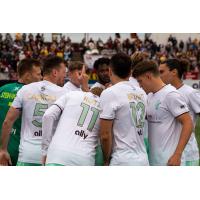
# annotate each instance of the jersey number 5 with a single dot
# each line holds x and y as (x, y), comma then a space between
(38, 112)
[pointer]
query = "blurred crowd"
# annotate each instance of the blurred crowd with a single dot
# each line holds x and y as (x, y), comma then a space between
(12, 50)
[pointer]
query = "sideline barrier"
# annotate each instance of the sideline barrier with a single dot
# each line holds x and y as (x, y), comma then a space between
(193, 83)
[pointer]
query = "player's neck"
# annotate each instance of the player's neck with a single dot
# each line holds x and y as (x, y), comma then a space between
(177, 83)
(50, 79)
(158, 85)
(23, 80)
(116, 80)
(75, 84)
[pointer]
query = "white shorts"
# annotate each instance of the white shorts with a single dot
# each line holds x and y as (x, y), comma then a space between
(56, 156)
(129, 160)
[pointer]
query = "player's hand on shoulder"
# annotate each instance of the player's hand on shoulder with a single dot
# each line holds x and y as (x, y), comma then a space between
(5, 159)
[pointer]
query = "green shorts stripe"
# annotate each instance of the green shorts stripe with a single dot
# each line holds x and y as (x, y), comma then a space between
(192, 163)
(53, 164)
(99, 156)
(27, 164)
(146, 142)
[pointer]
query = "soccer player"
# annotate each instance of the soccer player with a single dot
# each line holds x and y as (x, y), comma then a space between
(101, 66)
(102, 69)
(122, 119)
(77, 133)
(136, 58)
(32, 100)
(171, 72)
(169, 123)
(29, 70)
(78, 79)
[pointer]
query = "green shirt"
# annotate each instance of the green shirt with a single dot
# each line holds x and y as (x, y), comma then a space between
(7, 94)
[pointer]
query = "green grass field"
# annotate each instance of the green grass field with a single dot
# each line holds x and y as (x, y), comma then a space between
(197, 131)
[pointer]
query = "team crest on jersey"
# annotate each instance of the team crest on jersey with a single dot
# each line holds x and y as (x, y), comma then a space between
(16, 89)
(43, 88)
(182, 106)
(157, 105)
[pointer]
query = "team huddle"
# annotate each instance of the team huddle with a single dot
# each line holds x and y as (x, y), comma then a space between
(138, 113)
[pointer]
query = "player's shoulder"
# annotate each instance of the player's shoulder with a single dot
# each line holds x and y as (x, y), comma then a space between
(169, 90)
(133, 82)
(139, 90)
(9, 86)
(117, 89)
(108, 91)
(173, 94)
(32, 85)
(75, 93)
(192, 93)
(68, 85)
(187, 89)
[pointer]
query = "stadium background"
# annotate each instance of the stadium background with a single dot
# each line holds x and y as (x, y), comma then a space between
(87, 47)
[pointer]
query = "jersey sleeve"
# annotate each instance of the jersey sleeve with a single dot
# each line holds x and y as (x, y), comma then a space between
(176, 104)
(61, 101)
(194, 99)
(51, 115)
(18, 101)
(108, 105)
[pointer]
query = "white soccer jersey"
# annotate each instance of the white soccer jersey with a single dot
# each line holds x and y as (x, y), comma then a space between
(192, 98)
(134, 81)
(164, 130)
(99, 85)
(34, 99)
(77, 133)
(126, 105)
(69, 86)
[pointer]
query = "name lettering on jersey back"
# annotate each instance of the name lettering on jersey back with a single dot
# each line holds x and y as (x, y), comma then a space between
(81, 134)
(91, 101)
(42, 97)
(132, 96)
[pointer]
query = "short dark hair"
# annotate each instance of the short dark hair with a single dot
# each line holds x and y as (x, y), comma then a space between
(146, 66)
(52, 62)
(26, 65)
(120, 64)
(181, 65)
(101, 61)
(75, 65)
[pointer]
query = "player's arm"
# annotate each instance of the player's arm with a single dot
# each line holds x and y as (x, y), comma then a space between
(108, 106)
(178, 108)
(187, 127)
(50, 118)
(11, 117)
(106, 139)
